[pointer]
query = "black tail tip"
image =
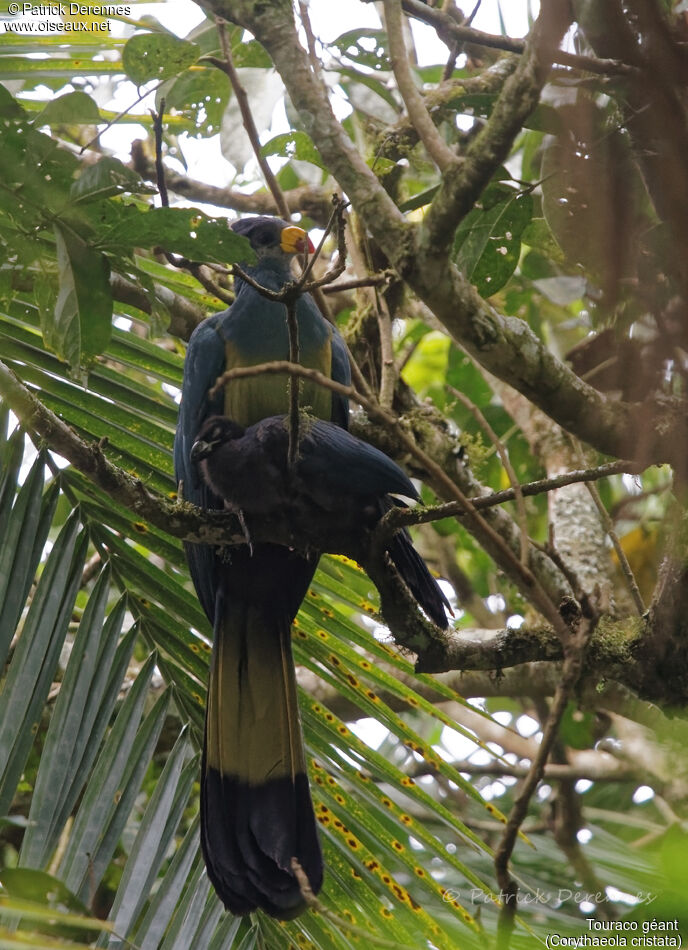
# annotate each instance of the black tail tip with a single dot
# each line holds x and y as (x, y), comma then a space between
(260, 844)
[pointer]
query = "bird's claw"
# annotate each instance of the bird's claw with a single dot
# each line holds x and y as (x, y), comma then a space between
(246, 533)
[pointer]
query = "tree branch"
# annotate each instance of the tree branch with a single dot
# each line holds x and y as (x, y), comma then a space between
(180, 520)
(572, 668)
(489, 650)
(414, 516)
(506, 462)
(184, 315)
(226, 64)
(437, 148)
(450, 29)
(616, 658)
(504, 345)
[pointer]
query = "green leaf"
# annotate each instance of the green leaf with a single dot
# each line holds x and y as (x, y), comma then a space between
(42, 888)
(487, 245)
(420, 200)
(249, 53)
(63, 743)
(202, 93)
(70, 109)
(83, 310)
(157, 56)
(9, 107)
(30, 517)
(113, 786)
(184, 231)
(353, 76)
(154, 836)
(162, 908)
(577, 728)
(365, 46)
(42, 910)
(294, 144)
(106, 178)
(36, 655)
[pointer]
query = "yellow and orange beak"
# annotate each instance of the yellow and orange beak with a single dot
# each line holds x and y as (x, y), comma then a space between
(296, 241)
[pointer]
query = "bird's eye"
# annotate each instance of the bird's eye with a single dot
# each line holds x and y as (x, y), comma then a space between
(262, 240)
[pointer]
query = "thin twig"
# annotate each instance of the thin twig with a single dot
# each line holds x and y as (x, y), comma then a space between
(310, 37)
(315, 287)
(450, 65)
(120, 115)
(300, 286)
(567, 821)
(387, 364)
(195, 268)
(570, 674)
(608, 525)
(374, 280)
(437, 148)
(506, 462)
(339, 206)
(226, 64)
(316, 905)
(405, 517)
(626, 568)
(159, 168)
(313, 200)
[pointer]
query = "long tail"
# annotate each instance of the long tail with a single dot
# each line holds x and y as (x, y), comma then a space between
(256, 809)
(418, 578)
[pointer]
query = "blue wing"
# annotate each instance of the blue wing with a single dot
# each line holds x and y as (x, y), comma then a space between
(205, 360)
(333, 455)
(341, 373)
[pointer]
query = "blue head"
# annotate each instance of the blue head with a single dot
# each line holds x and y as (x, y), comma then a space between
(275, 243)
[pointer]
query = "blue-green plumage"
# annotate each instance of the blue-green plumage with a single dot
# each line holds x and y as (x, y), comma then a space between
(256, 813)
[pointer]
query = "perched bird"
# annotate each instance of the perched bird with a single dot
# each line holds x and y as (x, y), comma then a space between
(256, 810)
(336, 478)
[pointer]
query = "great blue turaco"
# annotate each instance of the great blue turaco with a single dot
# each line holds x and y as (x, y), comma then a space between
(256, 809)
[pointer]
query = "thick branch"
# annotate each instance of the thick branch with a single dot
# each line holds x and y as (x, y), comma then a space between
(489, 650)
(184, 315)
(448, 28)
(273, 25)
(397, 140)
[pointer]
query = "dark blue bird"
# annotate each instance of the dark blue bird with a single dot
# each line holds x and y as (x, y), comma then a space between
(337, 481)
(253, 742)
(256, 809)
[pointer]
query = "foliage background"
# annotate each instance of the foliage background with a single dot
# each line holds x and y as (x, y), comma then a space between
(104, 646)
